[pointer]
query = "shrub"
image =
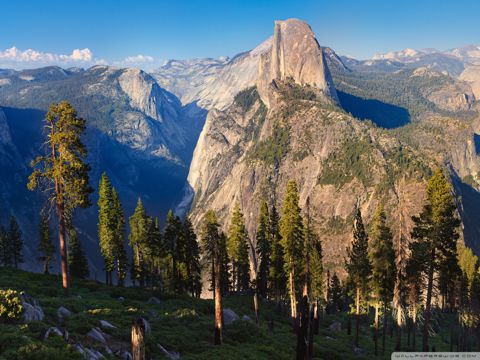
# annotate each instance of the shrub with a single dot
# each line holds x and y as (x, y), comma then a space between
(10, 305)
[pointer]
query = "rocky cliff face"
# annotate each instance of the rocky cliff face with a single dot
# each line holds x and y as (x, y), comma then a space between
(137, 132)
(472, 76)
(211, 83)
(294, 54)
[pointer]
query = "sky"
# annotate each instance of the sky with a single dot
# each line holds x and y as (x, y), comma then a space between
(145, 33)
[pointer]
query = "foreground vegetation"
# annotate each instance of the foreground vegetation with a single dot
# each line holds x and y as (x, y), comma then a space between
(180, 324)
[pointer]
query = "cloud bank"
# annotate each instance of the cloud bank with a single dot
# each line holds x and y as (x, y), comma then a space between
(14, 58)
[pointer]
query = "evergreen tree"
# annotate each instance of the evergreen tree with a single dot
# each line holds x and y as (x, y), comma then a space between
(436, 228)
(106, 226)
(77, 260)
(225, 268)
(5, 247)
(15, 241)
(467, 261)
(237, 248)
(264, 243)
(119, 239)
(335, 293)
(276, 271)
(313, 285)
(291, 230)
(358, 266)
(211, 246)
(63, 169)
(192, 259)
(382, 257)
(45, 246)
(138, 237)
(171, 237)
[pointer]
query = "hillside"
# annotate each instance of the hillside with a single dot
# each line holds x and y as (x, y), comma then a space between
(179, 324)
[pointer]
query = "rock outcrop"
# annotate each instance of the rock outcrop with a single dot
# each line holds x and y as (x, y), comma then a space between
(471, 75)
(294, 54)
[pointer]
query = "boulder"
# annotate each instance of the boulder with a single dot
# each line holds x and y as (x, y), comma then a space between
(169, 354)
(97, 335)
(335, 327)
(52, 331)
(63, 313)
(146, 326)
(32, 311)
(153, 300)
(106, 325)
(88, 353)
(246, 318)
(121, 298)
(229, 316)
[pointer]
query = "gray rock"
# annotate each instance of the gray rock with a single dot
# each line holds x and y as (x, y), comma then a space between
(52, 331)
(32, 311)
(97, 335)
(153, 300)
(63, 313)
(106, 325)
(358, 351)
(335, 327)
(229, 316)
(246, 318)
(88, 353)
(146, 326)
(121, 298)
(169, 354)
(124, 355)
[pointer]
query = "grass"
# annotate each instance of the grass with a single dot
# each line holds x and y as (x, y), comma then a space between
(179, 323)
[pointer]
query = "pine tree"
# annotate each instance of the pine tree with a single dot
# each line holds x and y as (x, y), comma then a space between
(291, 230)
(137, 239)
(382, 257)
(45, 246)
(276, 271)
(106, 226)
(5, 248)
(211, 246)
(77, 260)
(358, 266)
(335, 293)
(63, 169)
(171, 237)
(237, 248)
(467, 261)
(263, 249)
(119, 239)
(15, 241)
(313, 285)
(192, 257)
(225, 268)
(436, 228)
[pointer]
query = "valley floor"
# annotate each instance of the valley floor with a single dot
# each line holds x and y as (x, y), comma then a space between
(180, 325)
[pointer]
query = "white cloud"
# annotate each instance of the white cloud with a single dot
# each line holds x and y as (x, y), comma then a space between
(22, 59)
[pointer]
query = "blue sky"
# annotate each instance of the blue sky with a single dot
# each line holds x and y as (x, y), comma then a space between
(151, 31)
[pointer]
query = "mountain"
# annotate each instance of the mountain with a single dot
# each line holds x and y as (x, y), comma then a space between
(211, 83)
(137, 132)
(452, 61)
(345, 135)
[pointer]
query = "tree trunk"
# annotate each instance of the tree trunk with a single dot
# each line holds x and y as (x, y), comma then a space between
(63, 243)
(138, 340)
(384, 325)
(218, 302)
(398, 344)
(316, 319)
(302, 332)
(375, 334)
(357, 314)
(255, 305)
(414, 325)
(293, 301)
(428, 303)
(311, 329)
